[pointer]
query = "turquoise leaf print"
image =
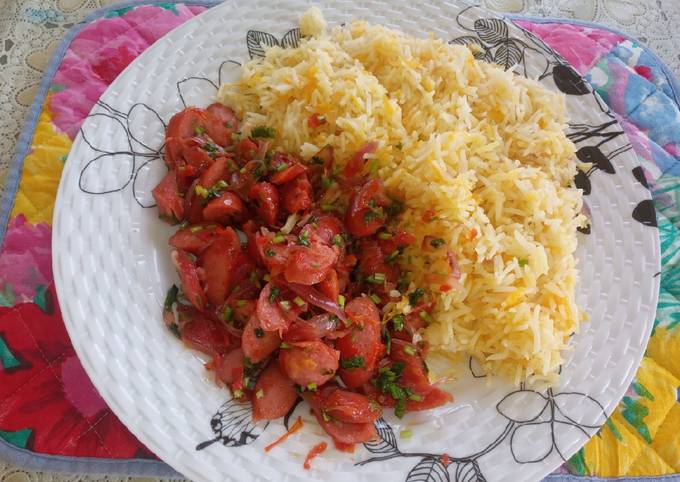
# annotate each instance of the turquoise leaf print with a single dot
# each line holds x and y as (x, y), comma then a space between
(7, 296)
(43, 299)
(19, 438)
(7, 359)
(577, 463)
(641, 390)
(612, 426)
(667, 311)
(634, 413)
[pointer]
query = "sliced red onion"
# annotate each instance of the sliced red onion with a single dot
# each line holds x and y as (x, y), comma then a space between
(314, 297)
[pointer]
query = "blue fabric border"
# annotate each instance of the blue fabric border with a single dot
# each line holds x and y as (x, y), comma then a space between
(152, 468)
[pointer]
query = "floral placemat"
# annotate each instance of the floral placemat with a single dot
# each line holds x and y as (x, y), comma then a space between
(50, 415)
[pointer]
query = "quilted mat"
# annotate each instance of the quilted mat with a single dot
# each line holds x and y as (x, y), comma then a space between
(52, 418)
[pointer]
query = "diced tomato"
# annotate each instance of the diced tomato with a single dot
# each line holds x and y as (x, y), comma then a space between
(297, 194)
(216, 171)
(309, 363)
(266, 198)
(350, 407)
(269, 311)
(206, 335)
(193, 204)
(222, 123)
(194, 153)
(194, 238)
(185, 124)
(273, 255)
(316, 328)
(316, 120)
(224, 265)
(432, 399)
(330, 285)
(188, 274)
(324, 229)
(372, 260)
(258, 344)
(363, 341)
(223, 209)
(365, 215)
(283, 175)
(275, 394)
(355, 165)
(170, 205)
(308, 265)
(246, 150)
(229, 368)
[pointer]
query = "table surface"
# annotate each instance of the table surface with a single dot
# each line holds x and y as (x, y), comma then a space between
(30, 30)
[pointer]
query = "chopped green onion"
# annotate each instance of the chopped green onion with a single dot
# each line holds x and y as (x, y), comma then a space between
(523, 262)
(409, 350)
(241, 303)
(299, 301)
(303, 239)
(219, 185)
(326, 417)
(267, 277)
(341, 301)
(238, 393)
(435, 243)
(227, 313)
(195, 229)
(384, 235)
(329, 207)
(398, 322)
(337, 240)
(199, 130)
(285, 304)
(228, 125)
(263, 131)
(284, 345)
(415, 397)
(311, 387)
(376, 278)
(259, 393)
(405, 434)
(392, 256)
(375, 298)
(259, 332)
(424, 315)
(415, 296)
(273, 293)
(201, 191)
(278, 239)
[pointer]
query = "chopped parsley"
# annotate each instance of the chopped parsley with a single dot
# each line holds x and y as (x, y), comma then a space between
(327, 182)
(415, 296)
(273, 293)
(170, 298)
(259, 332)
(263, 131)
(318, 160)
(395, 209)
(269, 253)
(353, 362)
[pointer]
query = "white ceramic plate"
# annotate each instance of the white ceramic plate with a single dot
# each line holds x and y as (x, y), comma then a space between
(112, 269)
